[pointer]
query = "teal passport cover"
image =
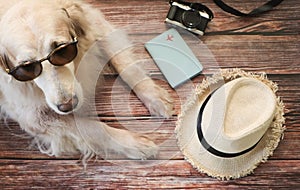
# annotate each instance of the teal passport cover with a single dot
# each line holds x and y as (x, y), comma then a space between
(174, 58)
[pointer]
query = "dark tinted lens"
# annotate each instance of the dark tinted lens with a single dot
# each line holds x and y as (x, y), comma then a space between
(27, 72)
(64, 55)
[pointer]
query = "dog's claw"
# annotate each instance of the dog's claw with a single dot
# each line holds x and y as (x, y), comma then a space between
(143, 149)
(133, 145)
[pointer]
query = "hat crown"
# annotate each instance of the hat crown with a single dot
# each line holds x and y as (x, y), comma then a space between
(238, 114)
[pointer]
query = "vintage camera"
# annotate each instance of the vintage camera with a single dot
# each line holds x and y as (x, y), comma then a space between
(191, 16)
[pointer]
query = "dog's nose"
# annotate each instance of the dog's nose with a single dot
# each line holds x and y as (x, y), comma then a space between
(68, 105)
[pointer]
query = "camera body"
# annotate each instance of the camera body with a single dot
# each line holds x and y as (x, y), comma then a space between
(188, 18)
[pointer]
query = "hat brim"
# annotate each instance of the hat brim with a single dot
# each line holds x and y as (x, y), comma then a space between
(204, 161)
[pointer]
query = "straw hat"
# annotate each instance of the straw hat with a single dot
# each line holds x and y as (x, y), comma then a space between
(233, 122)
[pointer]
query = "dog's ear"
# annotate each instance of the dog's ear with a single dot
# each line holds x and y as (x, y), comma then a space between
(77, 19)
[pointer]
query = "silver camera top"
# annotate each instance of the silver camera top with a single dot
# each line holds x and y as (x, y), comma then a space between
(190, 16)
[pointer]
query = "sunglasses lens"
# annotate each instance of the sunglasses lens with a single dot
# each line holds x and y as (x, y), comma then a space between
(64, 55)
(27, 72)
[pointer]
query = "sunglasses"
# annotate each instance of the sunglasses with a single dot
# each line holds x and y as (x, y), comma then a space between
(30, 70)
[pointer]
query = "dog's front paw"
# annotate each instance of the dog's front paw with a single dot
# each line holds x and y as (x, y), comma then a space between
(156, 99)
(139, 147)
(132, 145)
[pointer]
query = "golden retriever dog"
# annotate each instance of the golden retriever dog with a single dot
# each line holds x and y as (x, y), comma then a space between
(42, 43)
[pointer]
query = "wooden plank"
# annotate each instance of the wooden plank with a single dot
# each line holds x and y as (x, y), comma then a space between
(254, 52)
(152, 13)
(16, 144)
(116, 99)
(250, 52)
(122, 174)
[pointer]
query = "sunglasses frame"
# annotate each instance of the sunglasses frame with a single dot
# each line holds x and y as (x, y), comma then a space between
(10, 70)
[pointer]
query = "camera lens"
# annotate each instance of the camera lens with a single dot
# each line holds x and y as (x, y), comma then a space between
(191, 18)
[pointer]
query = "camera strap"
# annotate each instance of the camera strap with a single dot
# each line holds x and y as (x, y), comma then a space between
(264, 8)
(196, 6)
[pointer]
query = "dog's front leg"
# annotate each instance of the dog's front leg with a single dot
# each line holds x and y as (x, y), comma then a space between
(69, 135)
(100, 137)
(155, 98)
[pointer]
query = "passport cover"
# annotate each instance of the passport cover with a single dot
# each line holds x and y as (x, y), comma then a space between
(174, 58)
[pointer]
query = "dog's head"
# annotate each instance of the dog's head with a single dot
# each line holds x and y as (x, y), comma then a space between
(30, 31)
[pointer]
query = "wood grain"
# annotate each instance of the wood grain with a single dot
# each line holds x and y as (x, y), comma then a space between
(123, 174)
(269, 43)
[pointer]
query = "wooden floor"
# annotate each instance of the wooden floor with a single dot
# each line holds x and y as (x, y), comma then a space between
(269, 43)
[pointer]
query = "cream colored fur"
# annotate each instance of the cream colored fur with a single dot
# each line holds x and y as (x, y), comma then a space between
(28, 28)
